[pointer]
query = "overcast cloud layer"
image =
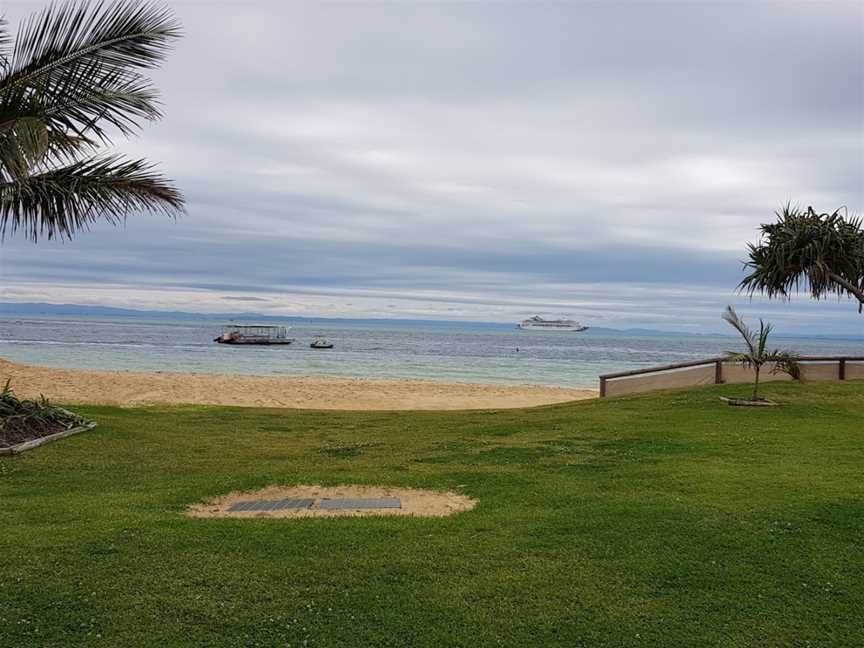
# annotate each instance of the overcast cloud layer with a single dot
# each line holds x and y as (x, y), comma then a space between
(484, 161)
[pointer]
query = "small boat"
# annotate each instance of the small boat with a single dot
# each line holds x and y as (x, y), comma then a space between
(254, 335)
(321, 343)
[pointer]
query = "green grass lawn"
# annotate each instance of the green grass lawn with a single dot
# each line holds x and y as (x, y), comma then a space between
(655, 520)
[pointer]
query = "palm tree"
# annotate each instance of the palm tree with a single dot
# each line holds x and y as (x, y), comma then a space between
(823, 251)
(757, 354)
(69, 82)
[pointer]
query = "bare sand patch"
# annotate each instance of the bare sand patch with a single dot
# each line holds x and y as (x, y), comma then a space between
(301, 392)
(417, 503)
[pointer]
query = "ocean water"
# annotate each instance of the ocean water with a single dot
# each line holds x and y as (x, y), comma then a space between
(452, 353)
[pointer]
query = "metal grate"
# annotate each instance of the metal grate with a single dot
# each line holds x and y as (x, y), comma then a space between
(386, 502)
(270, 505)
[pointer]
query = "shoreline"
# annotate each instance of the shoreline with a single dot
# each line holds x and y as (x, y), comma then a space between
(133, 388)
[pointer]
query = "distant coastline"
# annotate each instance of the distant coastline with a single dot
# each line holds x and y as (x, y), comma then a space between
(40, 309)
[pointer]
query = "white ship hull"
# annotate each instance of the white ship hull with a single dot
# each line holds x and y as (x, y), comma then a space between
(537, 323)
(552, 327)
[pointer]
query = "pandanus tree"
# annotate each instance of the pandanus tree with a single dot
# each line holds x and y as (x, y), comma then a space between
(756, 354)
(71, 80)
(821, 252)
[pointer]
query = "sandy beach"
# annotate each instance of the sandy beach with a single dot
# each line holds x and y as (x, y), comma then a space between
(305, 392)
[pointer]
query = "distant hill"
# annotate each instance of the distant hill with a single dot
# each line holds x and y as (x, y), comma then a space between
(77, 310)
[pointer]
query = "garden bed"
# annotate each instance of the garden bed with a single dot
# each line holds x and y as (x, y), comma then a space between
(26, 424)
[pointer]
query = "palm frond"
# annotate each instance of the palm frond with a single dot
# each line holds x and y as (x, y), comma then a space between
(785, 362)
(764, 332)
(62, 201)
(71, 119)
(94, 96)
(116, 36)
(71, 81)
(24, 142)
(77, 67)
(736, 356)
(822, 252)
(5, 40)
(85, 105)
(738, 324)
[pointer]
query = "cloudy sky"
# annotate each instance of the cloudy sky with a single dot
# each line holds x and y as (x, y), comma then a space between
(608, 161)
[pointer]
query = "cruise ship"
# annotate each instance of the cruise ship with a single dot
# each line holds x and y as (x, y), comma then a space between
(538, 323)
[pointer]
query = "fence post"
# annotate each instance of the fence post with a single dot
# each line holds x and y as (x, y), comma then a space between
(842, 371)
(602, 387)
(718, 372)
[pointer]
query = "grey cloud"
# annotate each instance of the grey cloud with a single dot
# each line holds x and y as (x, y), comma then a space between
(587, 157)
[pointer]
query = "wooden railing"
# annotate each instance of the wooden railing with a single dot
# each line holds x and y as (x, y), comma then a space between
(718, 363)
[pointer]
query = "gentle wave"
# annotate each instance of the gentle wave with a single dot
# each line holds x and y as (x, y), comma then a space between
(104, 344)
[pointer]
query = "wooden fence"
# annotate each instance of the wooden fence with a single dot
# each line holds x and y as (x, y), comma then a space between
(720, 370)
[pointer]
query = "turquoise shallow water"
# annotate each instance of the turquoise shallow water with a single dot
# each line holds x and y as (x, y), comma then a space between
(452, 353)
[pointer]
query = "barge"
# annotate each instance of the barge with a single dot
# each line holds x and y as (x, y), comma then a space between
(261, 335)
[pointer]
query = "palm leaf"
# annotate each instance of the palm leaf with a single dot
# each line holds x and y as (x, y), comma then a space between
(77, 67)
(62, 201)
(736, 356)
(71, 80)
(57, 127)
(823, 253)
(85, 105)
(785, 361)
(64, 37)
(91, 97)
(764, 332)
(5, 40)
(738, 324)
(24, 142)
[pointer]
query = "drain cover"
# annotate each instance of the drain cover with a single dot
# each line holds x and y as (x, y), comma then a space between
(385, 502)
(271, 505)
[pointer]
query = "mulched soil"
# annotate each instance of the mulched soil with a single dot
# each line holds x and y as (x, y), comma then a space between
(14, 430)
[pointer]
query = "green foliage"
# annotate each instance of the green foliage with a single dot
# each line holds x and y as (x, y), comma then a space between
(757, 353)
(662, 519)
(71, 78)
(23, 420)
(824, 252)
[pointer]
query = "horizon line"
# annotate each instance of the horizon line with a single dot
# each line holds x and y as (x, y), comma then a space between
(131, 312)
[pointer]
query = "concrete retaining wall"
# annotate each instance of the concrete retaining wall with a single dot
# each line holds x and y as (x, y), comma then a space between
(731, 373)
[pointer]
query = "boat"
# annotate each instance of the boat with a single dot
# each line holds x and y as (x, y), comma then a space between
(321, 343)
(540, 324)
(235, 334)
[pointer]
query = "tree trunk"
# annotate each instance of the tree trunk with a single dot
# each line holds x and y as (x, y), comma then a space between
(756, 384)
(851, 288)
